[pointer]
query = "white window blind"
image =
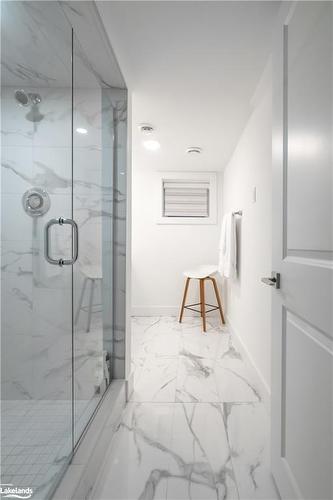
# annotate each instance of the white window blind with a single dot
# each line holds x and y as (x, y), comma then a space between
(185, 198)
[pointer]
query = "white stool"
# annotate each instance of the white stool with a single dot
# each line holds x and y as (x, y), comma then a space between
(92, 274)
(202, 273)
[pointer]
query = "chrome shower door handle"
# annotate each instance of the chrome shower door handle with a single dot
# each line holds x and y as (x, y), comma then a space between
(61, 262)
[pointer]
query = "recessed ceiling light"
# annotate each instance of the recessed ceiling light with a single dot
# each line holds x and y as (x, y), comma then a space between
(81, 130)
(193, 149)
(146, 128)
(151, 145)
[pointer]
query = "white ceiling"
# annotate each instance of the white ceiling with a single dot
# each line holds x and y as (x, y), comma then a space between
(193, 68)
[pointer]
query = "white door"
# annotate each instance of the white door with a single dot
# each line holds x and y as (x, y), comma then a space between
(302, 338)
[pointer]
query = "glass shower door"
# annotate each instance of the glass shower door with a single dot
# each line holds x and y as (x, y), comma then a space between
(99, 208)
(63, 198)
(92, 209)
(36, 296)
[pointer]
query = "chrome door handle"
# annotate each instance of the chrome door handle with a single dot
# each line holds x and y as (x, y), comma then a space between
(273, 281)
(61, 262)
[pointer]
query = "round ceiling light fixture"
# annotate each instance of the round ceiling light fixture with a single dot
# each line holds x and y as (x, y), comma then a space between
(81, 130)
(194, 150)
(151, 145)
(146, 129)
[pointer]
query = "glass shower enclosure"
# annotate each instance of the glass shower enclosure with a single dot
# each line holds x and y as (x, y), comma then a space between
(63, 216)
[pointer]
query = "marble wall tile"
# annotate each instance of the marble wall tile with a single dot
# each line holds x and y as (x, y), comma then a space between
(39, 53)
(17, 378)
(40, 156)
(15, 130)
(16, 287)
(54, 130)
(16, 169)
(52, 169)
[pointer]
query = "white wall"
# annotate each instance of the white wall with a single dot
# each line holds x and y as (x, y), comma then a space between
(160, 252)
(248, 300)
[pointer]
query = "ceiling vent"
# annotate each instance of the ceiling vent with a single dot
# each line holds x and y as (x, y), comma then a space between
(193, 150)
(146, 129)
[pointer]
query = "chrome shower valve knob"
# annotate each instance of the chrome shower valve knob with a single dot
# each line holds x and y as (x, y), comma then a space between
(36, 202)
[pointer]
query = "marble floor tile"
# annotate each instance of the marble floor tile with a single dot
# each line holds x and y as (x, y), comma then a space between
(156, 380)
(227, 349)
(199, 344)
(200, 466)
(196, 379)
(248, 433)
(140, 326)
(235, 377)
(158, 337)
(138, 464)
(193, 324)
(236, 382)
(196, 428)
(162, 344)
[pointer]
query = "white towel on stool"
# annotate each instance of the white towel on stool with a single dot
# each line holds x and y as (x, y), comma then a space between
(228, 247)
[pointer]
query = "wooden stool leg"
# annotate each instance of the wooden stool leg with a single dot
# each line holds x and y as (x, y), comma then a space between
(202, 303)
(184, 300)
(217, 294)
(200, 298)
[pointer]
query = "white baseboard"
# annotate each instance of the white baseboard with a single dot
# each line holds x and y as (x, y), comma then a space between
(263, 387)
(155, 310)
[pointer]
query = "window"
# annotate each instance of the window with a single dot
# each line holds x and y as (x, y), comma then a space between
(186, 197)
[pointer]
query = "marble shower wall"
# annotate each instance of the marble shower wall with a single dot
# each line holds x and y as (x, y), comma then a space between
(36, 316)
(36, 299)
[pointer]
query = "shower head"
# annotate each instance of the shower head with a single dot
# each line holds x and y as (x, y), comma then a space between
(33, 99)
(21, 97)
(24, 98)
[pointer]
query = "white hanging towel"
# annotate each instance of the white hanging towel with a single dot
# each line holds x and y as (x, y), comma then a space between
(228, 247)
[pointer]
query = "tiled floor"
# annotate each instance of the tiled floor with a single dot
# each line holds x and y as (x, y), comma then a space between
(36, 441)
(196, 427)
